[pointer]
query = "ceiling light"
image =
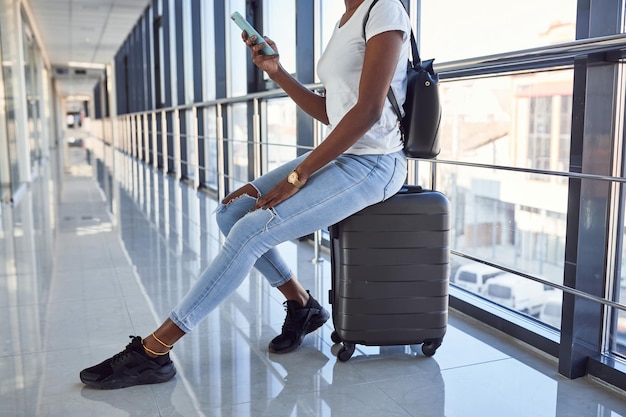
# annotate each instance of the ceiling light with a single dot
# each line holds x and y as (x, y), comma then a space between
(77, 98)
(92, 65)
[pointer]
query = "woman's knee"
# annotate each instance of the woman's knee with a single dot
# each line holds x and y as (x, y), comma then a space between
(234, 207)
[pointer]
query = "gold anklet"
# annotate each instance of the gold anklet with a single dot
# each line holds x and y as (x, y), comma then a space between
(153, 352)
(164, 344)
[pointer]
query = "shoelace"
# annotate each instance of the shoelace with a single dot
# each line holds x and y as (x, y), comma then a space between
(292, 322)
(118, 357)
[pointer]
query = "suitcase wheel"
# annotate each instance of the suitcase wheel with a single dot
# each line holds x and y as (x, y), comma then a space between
(347, 349)
(345, 352)
(430, 346)
(335, 337)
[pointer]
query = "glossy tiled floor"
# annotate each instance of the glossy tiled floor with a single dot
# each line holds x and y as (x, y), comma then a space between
(75, 284)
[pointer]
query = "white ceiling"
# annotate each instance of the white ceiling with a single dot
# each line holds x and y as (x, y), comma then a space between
(85, 31)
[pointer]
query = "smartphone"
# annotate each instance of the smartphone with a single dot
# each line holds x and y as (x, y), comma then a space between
(247, 27)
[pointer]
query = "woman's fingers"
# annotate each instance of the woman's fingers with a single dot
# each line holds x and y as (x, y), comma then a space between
(277, 195)
(250, 41)
(256, 47)
(272, 44)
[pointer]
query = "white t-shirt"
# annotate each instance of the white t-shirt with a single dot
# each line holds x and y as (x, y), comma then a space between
(339, 69)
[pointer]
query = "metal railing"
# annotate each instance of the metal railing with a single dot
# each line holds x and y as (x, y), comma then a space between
(600, 49)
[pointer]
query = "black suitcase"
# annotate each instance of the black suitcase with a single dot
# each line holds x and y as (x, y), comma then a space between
(390, 270)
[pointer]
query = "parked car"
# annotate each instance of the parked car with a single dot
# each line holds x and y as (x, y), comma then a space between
(517, 293)
(473, 277)
(74, 142)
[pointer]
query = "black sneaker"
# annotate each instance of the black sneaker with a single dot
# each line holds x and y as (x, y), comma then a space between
(300, 321)
(132, 366)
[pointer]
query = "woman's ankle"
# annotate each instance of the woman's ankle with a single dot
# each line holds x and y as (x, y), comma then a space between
(293, 291)
(155, 347)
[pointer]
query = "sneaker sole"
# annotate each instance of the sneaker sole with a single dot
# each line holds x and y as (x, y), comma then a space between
(159, 376)
(315, 323)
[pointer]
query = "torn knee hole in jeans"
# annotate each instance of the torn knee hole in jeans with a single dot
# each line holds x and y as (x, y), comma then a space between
(240, 196)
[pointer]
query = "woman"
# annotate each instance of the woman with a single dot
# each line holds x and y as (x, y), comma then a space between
(360, 163)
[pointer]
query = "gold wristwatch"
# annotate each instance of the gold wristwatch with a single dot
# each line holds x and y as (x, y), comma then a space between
(294, 179)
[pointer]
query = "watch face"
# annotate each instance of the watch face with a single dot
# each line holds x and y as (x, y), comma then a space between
(294, 179)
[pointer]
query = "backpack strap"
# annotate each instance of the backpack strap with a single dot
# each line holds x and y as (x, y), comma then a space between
(414, 52)
(367, 16)
(416, 61)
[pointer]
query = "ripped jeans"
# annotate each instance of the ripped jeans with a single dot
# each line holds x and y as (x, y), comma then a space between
(341, 188)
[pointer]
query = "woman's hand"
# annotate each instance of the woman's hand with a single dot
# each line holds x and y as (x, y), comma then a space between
(312, 103)
(281, 192)
(268, 63)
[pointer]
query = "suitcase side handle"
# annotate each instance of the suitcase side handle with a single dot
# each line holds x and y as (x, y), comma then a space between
(333, 230)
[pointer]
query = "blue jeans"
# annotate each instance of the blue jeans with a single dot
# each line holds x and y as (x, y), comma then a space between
(341, 188)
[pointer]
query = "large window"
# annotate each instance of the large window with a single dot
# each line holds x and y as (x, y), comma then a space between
(512, 120)
(237, 52)
(617, 330)
(208, 50)
(514, 219)
(447, 33)
(539, 131)
(5, 165)
(207, 141)
(187, 53)
(11, 99)
(31, 78)
(158, 54)
(238, 146)
(279, 21)
(279, 146)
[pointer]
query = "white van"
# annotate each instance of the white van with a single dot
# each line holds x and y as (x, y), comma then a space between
(620, 335)
(473, 277)
(551, 311)
(517, 293)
